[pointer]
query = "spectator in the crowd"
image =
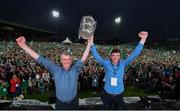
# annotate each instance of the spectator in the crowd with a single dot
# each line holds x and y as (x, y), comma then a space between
(95, 83)
(30, 89)
(15, 88)
(168, 86)
(4, 85)
(24, 86)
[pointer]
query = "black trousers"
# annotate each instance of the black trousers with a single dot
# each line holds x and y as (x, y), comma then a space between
(72, 105)
(111, 101)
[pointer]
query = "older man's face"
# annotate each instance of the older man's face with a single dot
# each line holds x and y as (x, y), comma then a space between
(66, 61)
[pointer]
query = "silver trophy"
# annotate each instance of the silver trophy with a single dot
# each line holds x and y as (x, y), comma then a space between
(87, 27)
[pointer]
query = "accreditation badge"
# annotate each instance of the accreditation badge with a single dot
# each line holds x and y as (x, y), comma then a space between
(113, 81)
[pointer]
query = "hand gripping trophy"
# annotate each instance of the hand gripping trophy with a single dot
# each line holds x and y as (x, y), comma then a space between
(87, 27)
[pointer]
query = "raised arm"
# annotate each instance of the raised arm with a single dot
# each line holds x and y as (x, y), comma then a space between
(96, 55)
(143, 35)
(21, 41)
(52, 67)
(87, 50)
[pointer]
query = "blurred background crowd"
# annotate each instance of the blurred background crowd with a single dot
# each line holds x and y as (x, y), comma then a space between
(155, 70)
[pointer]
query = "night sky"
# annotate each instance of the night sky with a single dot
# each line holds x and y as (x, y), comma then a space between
(161, 18)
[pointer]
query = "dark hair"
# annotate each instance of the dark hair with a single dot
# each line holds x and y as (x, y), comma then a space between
(115, 50)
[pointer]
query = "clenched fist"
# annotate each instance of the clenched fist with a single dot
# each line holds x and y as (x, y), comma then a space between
(21, 41)
(143, 34)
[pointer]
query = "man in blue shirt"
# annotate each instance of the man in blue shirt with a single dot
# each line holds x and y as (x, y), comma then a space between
(65, 76)
(114, 72)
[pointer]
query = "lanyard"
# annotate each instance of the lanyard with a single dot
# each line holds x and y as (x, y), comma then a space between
(115, 68)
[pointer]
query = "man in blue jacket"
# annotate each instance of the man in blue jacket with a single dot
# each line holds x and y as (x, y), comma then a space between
(114, 71)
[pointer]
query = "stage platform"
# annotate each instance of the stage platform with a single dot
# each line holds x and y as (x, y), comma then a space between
(130, 103)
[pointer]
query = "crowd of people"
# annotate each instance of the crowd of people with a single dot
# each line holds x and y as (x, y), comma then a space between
(155, 70)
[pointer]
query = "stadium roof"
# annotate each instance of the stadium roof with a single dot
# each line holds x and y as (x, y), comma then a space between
(11, 26)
